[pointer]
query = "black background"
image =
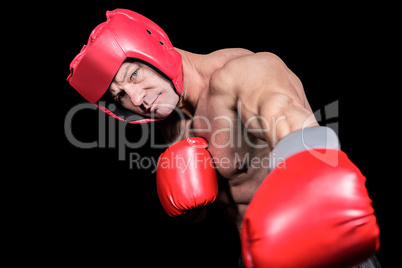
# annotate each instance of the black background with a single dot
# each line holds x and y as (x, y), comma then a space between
(95, 209)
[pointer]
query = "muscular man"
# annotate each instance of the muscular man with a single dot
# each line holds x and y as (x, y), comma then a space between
(242, 104)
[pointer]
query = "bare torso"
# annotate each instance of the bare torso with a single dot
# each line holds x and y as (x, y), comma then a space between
(241, 158)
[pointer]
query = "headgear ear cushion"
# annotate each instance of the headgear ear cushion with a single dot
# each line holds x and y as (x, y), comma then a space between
(125, 34)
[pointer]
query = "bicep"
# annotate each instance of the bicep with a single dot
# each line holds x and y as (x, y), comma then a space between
(270, 99)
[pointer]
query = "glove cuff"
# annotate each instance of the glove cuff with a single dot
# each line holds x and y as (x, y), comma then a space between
(301, 140)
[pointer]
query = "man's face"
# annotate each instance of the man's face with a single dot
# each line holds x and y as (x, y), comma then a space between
(139, 88)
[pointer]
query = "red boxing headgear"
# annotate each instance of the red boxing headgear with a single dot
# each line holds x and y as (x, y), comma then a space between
(125, 34)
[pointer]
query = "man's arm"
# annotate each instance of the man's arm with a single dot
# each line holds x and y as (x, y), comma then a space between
(268, 97)
(284, 225)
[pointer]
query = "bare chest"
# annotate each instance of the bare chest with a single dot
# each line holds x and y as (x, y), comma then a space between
(232, 147)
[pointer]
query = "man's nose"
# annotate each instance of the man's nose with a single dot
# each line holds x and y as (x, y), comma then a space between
(136, 95)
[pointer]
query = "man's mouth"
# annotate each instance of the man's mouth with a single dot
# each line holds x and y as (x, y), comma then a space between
(153, 105)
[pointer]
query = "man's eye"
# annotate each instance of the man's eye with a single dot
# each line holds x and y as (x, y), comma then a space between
(121, 96)
(134, 75)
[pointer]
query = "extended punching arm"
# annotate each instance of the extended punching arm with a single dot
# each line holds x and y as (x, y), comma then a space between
(312, 210)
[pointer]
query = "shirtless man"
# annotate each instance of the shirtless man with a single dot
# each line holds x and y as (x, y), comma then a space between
(243, 105)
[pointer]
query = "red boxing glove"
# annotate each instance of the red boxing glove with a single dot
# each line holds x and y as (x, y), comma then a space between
(308, 213)
(186, 177)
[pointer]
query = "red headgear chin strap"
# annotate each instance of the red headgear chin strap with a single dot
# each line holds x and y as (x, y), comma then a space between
(125, 34)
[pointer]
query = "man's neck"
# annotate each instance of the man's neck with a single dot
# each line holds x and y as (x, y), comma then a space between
(195, 81)
(197, 72)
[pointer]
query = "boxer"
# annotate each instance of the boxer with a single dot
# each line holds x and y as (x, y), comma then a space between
(227, 112)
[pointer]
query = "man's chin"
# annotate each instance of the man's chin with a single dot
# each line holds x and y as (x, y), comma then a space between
(163, 112)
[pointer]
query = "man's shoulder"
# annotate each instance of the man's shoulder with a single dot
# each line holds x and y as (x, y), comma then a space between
(224, 76)
(222, 56)
(240, 70)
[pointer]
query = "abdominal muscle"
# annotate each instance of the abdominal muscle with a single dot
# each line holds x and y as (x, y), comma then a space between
(241, 159)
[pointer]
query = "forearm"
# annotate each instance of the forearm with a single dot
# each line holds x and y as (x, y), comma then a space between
(290, 120)
(276, 117)
(324, 202)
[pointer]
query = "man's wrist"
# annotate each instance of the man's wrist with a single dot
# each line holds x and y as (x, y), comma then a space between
(303, 139)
